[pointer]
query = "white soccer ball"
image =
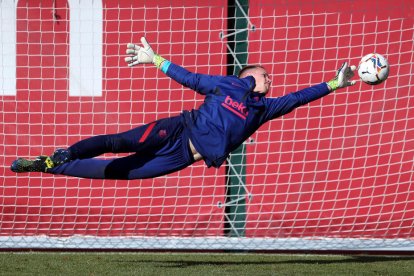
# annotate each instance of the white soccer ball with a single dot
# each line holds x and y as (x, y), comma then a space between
(373, 69)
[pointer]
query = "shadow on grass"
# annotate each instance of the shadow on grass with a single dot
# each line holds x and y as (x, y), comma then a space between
(311, 260)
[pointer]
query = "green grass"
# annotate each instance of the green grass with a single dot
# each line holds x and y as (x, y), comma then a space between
(200, 264)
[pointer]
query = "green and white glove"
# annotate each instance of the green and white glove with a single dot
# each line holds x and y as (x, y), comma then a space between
(142, 54)
(342, 78)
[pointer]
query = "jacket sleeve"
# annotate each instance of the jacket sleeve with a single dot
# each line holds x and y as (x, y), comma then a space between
(277, 107)
(201, 83)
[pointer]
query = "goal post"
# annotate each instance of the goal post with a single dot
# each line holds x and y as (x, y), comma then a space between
(336, 174)
(237, 57)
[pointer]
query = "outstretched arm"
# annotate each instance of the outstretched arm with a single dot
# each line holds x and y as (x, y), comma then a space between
(201, 83)
(285, 104)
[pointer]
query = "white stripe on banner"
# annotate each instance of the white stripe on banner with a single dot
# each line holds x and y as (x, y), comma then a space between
(7, 47)
(85, 52)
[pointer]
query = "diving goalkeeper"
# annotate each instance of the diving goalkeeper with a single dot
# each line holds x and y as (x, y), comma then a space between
(233, 109)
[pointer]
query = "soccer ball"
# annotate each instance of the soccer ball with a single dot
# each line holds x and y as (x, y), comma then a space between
(373, 69)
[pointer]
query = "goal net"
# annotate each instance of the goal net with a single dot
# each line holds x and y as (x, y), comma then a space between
(336, 174)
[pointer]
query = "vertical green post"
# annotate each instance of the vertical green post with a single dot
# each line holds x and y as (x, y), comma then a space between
(235, 210)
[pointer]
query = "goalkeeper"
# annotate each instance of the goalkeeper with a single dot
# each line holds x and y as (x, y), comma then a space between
(233, 109)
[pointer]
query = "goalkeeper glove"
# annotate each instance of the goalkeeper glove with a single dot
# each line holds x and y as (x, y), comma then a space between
(342, 78)
(143, 54)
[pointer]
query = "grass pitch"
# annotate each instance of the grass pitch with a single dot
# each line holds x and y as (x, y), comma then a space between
(201, 264)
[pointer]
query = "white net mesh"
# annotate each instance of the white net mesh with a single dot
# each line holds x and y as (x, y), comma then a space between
(335, 174)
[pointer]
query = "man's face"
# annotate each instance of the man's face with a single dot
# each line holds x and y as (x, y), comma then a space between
(262, 78)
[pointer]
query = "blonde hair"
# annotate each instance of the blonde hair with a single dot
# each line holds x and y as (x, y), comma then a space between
(248, 68)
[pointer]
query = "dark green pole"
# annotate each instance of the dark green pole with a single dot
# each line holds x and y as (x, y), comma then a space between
(235, 206)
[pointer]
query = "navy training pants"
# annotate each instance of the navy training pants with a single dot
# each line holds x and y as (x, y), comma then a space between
(158, 148)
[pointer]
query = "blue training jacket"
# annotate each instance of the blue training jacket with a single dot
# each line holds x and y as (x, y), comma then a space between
(231, 111)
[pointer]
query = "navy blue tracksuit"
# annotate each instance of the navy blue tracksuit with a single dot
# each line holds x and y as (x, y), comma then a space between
(231, 112)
